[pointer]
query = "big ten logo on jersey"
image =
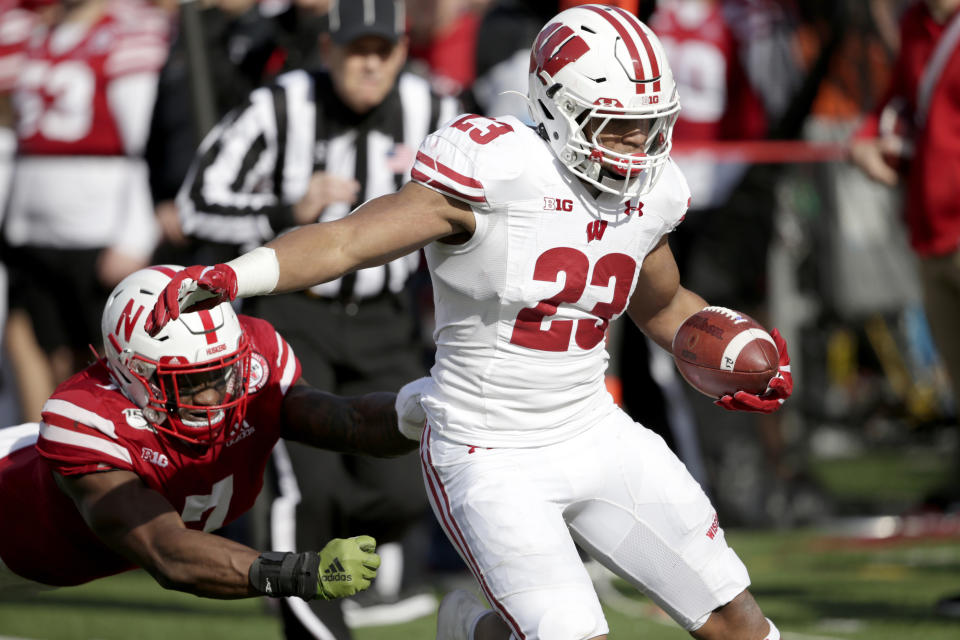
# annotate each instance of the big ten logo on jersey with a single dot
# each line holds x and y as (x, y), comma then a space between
(154, 457)
(557, 204)
(482, 130)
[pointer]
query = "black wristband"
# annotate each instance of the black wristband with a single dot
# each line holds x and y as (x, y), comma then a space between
(278, 574)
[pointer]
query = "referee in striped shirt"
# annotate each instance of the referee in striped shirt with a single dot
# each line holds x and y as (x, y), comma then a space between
(313, 146)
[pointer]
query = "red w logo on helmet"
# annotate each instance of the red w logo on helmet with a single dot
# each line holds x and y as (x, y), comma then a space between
(555, 48)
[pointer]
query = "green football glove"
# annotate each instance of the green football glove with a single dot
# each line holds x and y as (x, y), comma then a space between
(346, 567)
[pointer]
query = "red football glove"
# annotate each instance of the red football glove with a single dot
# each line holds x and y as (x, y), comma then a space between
(193, 289)
(778, 390)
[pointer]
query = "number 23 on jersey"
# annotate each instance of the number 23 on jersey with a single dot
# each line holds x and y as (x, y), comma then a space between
(529, 330)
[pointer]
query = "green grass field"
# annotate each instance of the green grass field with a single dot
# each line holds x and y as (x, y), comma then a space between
(815, 588)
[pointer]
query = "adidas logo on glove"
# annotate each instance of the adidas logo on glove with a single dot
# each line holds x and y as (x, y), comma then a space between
(336, 573)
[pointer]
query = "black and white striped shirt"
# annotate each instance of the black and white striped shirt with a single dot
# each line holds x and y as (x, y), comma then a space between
(256, 164)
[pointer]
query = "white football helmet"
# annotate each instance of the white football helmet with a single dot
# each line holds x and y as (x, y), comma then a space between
(597, 68)
(195, 353)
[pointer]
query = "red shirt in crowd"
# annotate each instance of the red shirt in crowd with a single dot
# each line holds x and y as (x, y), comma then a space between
(932, 204)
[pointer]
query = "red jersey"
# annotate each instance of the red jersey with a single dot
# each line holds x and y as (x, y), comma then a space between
(718, 101)
(63, 92)
(15, 27)
(89, 426)
(932, 193)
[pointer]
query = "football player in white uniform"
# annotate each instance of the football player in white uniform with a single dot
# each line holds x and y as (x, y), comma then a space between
(536, 238)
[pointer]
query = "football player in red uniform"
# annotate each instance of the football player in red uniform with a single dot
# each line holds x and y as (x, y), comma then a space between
(164, 440)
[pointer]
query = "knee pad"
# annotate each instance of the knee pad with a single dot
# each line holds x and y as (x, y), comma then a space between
(570, 623)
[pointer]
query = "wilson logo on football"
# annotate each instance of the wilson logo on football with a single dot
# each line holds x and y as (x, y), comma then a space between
(557, 204)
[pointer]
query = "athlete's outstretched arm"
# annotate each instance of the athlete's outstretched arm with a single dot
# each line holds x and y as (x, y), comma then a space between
(364, 424)
(141, 525)
(660, 303)
(379, 231)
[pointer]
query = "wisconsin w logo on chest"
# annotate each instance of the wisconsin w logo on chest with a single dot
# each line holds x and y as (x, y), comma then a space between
(596, 229)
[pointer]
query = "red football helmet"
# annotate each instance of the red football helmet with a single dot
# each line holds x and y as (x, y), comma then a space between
(191, 378)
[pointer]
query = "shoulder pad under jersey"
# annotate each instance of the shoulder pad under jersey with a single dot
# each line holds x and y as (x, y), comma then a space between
(89, 424)
(468, 155)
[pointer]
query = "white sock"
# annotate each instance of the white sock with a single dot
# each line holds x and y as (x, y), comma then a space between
(774, 633)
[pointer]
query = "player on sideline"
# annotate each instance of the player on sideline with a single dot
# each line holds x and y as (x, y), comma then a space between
(536, 238)
(165, 439)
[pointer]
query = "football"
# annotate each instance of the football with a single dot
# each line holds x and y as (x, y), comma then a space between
(720, 351)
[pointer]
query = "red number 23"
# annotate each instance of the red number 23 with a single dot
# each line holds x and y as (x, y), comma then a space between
(528, 330)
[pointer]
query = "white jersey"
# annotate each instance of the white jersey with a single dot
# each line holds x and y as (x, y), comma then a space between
(522, 308)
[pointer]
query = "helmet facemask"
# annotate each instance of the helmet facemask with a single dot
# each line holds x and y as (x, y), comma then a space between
(626, 172)
(194, 402)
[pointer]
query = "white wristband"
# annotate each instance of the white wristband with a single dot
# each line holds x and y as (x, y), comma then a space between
(258, 272)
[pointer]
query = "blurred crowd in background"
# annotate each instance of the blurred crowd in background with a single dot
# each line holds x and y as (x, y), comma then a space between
(97, 139)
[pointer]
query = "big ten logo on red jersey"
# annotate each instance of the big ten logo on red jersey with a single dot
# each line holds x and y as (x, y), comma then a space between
(557, 204)
(533, 328)
(154, 457)
(482, 130)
